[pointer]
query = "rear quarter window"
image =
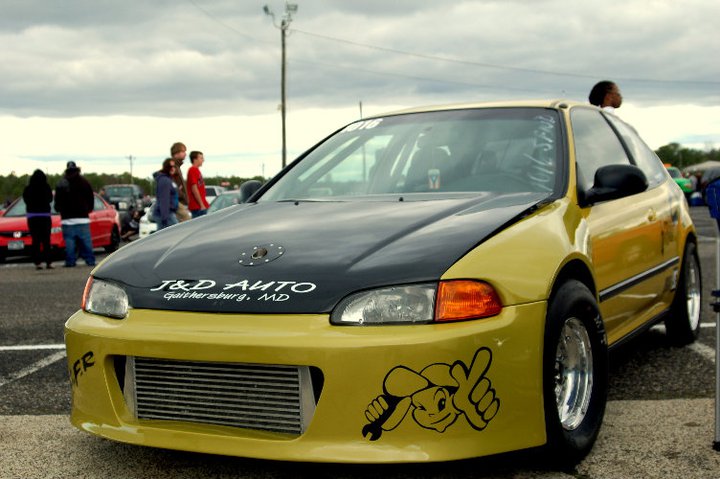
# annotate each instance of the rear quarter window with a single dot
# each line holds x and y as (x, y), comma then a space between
(643, 156)
(596, 145)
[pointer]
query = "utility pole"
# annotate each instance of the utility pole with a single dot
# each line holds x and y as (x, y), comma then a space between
(290, 9)
(131, 158)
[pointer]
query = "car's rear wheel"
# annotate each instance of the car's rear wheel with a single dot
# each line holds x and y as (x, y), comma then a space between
(114, 241)
(575, 368)
(683, 322)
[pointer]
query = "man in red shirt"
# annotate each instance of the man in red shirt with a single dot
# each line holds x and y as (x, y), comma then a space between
(197, 204)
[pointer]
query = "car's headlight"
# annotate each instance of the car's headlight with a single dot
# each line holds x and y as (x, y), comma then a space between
(398, 304)
(106, 299)
(454, 300)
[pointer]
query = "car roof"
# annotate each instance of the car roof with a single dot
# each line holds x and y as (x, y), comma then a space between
(556, 103)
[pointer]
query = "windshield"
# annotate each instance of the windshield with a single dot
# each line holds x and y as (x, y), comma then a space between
(224, 200)
(503, 150)
(119, 191)
(18, 209)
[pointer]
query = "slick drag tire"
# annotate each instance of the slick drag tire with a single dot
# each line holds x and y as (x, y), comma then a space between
(575, 374)
(683, 322)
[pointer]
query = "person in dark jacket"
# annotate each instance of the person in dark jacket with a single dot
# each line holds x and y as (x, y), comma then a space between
(166, 201)
(38, 198)
(74, 200)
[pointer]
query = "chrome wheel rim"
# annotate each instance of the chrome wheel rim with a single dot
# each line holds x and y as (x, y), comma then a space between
(573, 373)
(692, 292)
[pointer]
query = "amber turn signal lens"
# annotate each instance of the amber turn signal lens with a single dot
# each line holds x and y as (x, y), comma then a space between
(464, 299)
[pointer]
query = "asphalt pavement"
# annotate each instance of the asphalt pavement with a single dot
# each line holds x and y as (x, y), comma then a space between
(659, 421)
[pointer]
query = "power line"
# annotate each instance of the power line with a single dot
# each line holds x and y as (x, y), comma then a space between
(413, 77)
(226, 25)
(443, 59)
(499, 67)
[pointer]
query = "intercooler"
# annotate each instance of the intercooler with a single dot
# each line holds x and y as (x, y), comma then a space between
(261, 397)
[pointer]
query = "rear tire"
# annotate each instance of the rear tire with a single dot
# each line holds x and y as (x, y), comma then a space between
(683, 323)
(575, 373)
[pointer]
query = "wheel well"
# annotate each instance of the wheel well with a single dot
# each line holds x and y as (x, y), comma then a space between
(691, 238)
(577, 270)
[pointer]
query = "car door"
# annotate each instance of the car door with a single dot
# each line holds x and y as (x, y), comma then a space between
(625, 235)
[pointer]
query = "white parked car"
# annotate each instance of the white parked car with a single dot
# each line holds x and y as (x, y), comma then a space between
(212, 192)
(147, 227)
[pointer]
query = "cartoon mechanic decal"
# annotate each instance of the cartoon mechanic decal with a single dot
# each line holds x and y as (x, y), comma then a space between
(437, 395)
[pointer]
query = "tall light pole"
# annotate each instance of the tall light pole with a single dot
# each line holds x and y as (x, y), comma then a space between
(131, 158)
(290, 9)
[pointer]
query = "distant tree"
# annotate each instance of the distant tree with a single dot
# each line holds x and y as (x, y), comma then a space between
(680, 156)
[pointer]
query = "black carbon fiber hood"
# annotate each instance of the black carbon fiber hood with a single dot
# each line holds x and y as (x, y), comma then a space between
(304, 257)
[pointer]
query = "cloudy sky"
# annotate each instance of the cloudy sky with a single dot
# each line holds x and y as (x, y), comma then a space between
(99, 81)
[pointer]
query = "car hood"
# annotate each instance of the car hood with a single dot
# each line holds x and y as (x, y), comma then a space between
(305, 256)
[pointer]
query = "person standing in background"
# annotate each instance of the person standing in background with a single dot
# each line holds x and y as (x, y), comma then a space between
(606, 95)
(166, 201)
(178, 152)
(38, 198)
(197, 203)
(74, 200)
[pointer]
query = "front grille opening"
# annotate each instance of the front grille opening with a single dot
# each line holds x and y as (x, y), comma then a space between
(275, 398)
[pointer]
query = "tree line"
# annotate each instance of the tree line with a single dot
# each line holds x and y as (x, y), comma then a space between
(12, 186)
(682, 157)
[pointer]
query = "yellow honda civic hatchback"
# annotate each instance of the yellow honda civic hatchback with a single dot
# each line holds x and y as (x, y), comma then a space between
(427, 285)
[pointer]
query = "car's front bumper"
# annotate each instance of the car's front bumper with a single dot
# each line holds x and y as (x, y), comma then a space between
(355, 363)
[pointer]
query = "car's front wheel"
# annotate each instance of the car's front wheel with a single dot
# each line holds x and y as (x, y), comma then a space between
(683, 322)
(575, 369)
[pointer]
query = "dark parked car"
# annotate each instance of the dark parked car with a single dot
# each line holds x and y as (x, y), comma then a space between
(125, 198)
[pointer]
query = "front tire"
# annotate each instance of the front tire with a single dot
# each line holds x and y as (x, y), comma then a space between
(114, 241)
(683, 323)
(575, 373)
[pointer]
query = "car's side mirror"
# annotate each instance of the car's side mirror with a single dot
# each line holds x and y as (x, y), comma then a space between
(616, 181)
(248, 189)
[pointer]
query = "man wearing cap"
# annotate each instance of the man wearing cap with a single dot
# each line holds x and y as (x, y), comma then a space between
(74, 200)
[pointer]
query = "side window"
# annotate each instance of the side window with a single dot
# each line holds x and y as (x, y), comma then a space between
(596, 145)
(644, 157)
(99, 205)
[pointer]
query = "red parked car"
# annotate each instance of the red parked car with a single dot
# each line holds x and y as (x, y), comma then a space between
(15, 237)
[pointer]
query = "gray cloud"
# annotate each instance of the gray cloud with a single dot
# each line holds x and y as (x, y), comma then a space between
(212, 57)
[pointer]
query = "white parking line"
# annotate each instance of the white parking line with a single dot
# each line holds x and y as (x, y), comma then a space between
(33, 368)
(32, 347)
(703, 350)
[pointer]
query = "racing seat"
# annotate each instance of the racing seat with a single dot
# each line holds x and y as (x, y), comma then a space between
(426, 167)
